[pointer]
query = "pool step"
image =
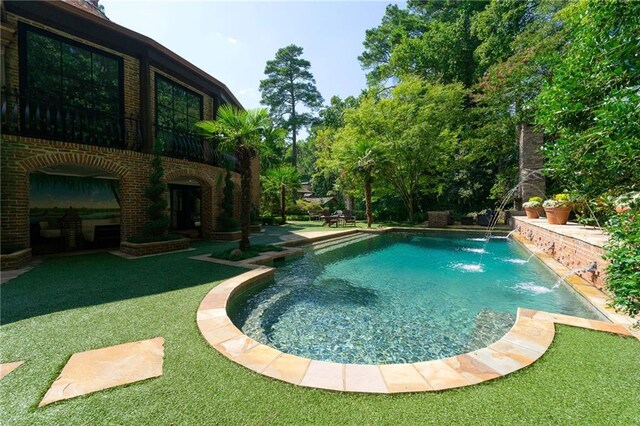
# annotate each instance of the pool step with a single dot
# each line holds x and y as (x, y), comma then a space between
(343, 243)
(337, 240)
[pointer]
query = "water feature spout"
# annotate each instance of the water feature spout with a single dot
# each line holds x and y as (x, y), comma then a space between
(593, 266)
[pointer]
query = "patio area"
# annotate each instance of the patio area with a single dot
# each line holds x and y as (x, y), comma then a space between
(73, 304)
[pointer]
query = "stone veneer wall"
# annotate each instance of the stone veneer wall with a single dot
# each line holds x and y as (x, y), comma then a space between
(147, 249)
(15, 260)
(571, 252)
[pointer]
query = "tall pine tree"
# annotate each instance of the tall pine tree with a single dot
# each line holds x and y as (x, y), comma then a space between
(288, 86)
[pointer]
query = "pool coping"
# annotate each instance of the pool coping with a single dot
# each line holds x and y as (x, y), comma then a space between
(526, 341)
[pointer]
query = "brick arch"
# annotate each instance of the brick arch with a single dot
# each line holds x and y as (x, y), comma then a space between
(208, 208)
(203, 178)
(33, 164)
(18, 213)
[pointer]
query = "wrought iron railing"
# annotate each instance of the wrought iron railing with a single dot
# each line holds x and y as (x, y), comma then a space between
(25, 116)
(189, 146)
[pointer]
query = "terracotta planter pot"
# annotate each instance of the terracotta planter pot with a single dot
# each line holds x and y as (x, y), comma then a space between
(557, 215)
(622, 209)
(532, 212)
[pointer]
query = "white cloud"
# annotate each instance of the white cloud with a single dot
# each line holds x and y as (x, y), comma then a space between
(232, 40)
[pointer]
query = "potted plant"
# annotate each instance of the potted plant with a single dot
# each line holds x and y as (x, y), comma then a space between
(533, 207)
(558, 209)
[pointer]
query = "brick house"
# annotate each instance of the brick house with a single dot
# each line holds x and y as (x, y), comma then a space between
(84, 98)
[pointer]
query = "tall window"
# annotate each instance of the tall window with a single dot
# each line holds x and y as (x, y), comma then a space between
(178, 108)
(73, 91)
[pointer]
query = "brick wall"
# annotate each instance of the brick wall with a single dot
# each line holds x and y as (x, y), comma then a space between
(571, 252)
(22, 156)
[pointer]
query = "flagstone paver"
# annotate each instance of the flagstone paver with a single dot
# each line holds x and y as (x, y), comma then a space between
(8, 367)
(364, 378)
(324, 375)
(99, 369)
(528, 340)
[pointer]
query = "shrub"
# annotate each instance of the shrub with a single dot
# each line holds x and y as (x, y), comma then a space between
(536, 200)
(227, 222)
(623, 253)
(235, 254)
(158, 223)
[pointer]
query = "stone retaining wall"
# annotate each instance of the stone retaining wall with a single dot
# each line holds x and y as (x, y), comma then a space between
(572, 252)
(146, 249)
(15, 260)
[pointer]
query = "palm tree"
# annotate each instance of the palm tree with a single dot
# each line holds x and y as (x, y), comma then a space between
(241, 132)
(280, 179)
(363, 159)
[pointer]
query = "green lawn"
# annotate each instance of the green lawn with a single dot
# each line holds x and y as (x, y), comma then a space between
(76, 303)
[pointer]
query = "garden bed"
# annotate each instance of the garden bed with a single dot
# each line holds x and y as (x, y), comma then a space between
(226, 236)
(145, 249)
(15, 260)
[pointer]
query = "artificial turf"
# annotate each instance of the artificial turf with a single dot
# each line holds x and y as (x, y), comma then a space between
(77, 303)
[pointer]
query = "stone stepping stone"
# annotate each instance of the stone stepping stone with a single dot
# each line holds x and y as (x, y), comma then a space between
(99, 369)
(8, 367)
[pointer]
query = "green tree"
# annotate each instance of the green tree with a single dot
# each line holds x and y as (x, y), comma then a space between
(497, 26)
(361, 159)
(240, 132)
(417, 126)
(277, 182)
(430, 39)
(288, 86)
(590, 104)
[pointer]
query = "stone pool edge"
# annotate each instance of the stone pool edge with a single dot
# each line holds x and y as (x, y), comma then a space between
(526, 341)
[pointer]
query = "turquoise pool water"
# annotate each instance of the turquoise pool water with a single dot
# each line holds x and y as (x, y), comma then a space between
(400, 298)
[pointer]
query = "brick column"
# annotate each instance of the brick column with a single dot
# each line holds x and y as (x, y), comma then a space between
(532, 182)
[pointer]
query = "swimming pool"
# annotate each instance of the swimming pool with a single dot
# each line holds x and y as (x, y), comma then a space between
(400, 298)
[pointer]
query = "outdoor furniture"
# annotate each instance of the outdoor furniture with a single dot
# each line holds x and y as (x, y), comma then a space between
(330, 220)
(438, 219)
(487, 219)
(348, 218)
(466, 220)
(315, 215)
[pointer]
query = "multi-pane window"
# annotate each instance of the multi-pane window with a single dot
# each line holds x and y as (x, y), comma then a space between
(75, 89)
(177, 108)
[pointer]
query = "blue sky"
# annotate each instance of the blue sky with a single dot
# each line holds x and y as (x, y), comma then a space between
(233, 40)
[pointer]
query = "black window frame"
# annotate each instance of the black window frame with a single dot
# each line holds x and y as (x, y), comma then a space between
(173, 83)
(23, 72)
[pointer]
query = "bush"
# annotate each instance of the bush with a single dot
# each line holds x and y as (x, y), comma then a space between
(158, 223)
(253, 251)
(298, 217)
(623, 253)
(296, 210)
(226, 221)
(307, 206)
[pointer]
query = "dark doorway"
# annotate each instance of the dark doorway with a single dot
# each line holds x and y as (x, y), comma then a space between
(185, 206)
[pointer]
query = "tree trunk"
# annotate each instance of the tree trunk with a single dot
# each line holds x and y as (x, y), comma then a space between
(283, 206)
(367, 200)
(410, 206)
(294, 154)
(245, 198)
